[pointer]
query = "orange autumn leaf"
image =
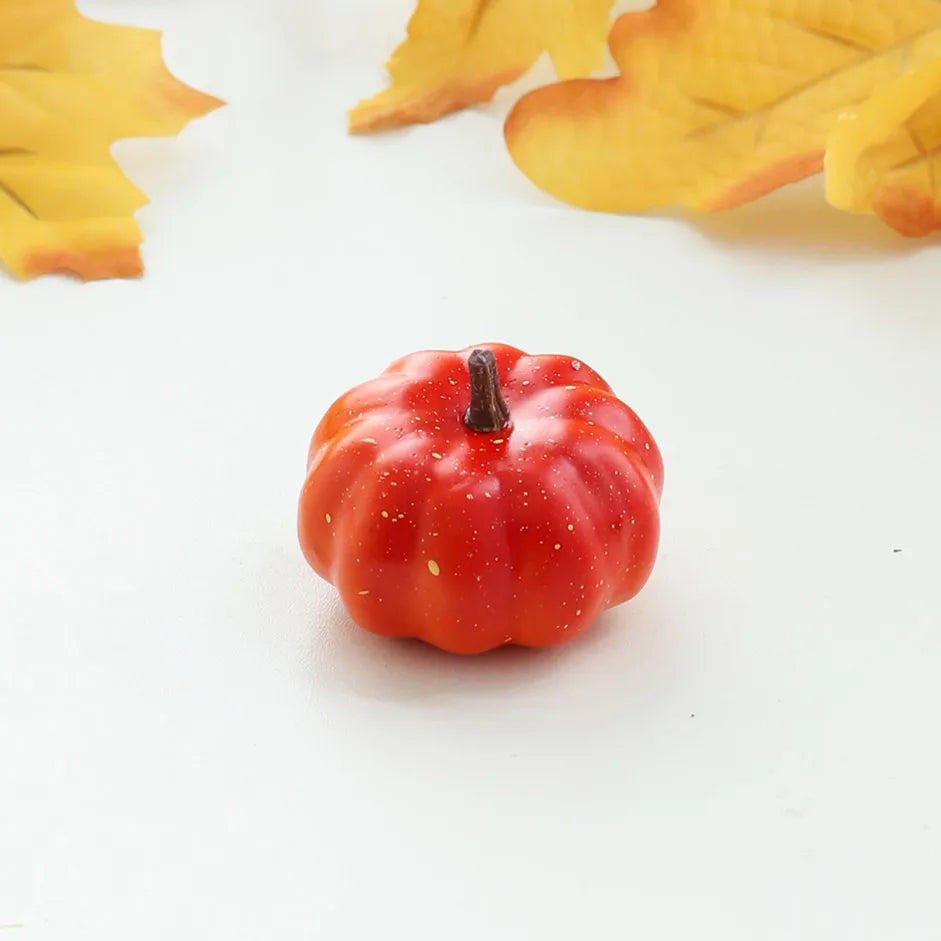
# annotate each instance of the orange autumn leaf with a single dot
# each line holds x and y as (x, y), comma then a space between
(885, 157)
(718, 101)
(69, 88)
(459, 52)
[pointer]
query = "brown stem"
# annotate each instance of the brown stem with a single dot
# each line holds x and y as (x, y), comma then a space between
(488, 411)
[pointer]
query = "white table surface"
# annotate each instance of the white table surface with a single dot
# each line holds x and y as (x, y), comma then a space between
(195, 742)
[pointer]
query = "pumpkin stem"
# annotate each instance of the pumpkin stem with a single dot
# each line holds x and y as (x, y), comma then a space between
(488, 411)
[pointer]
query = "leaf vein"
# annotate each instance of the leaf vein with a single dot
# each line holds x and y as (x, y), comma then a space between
(766, 109)
(14, 197)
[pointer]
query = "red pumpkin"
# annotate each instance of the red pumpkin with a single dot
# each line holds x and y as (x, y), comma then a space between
(482, 497)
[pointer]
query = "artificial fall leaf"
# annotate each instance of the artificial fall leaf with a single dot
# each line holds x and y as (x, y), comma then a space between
(459, 52)
(884, 156)
(718, 101)
(69, 88)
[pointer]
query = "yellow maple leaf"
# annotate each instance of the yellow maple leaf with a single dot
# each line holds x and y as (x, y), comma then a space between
(884, 156)
(718, 101)
(459, 52)
(70, 87)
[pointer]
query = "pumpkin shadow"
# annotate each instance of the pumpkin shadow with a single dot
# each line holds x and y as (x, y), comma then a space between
(344, 656)
(623, 665)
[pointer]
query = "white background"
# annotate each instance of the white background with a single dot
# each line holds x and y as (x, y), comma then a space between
(195, 742)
